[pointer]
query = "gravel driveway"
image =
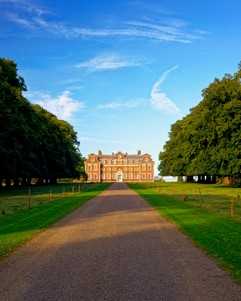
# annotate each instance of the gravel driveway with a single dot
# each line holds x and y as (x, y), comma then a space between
(115, 247)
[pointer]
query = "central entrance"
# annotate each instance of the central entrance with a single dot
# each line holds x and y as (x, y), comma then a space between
(119, 176)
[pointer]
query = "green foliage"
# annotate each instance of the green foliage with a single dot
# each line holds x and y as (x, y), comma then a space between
(208, 140)
(33, 142)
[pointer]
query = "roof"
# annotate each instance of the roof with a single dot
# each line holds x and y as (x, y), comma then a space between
(137, 156)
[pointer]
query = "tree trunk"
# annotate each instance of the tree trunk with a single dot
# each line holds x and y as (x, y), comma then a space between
(208, 179)
(40, 181)
(53, 180)
(24, 182)
(8, 182)
(190, 179)
(29, 181)
(16, 182)
(180, 179)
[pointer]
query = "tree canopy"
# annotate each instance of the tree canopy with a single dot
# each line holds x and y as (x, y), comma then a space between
(33, 142)
(207, 141)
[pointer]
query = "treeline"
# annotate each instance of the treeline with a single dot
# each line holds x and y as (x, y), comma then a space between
(207, 142)
(33, 142)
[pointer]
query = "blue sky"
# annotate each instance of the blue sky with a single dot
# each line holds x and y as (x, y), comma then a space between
(120, 71)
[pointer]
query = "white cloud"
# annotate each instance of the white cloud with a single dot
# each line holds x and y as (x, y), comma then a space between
(21, 21)
(171, 30)
(63, 106)
(28, 14)
(107, 62)
(133, 103)
(27, 6)
(159, 99)
(165, 31)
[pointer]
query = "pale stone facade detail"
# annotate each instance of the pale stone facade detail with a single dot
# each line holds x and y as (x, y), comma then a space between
(119, 167)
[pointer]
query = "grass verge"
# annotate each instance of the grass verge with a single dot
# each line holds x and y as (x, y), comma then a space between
(17, 228)
(218, 235)
(21, 198)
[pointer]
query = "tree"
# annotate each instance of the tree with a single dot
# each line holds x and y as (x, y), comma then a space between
(207, 142)
(33, 142)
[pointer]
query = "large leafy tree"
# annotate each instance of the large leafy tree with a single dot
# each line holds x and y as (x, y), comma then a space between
(207, 142)
(13, 126)
(33, 142)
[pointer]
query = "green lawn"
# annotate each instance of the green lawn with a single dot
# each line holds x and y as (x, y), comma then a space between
(203, 215)
(19, 226)
(14, 199)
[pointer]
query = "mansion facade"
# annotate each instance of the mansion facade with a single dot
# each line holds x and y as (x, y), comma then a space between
(119, 167)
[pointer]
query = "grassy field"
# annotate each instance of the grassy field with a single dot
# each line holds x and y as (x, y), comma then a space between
(203, 212)
(14, 199)
(20, 224)
(220, 199)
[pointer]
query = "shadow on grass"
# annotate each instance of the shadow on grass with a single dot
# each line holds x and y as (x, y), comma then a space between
(141, 259)
(16, 228)
(38, 217)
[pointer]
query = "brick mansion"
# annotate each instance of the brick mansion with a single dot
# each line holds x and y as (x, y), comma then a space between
(119, 167)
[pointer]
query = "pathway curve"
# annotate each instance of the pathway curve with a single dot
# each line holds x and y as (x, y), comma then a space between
(115, 247)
